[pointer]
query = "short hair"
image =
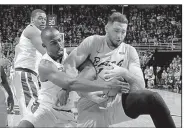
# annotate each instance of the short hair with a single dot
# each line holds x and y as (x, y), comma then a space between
(48, 32)
(117, 17)
(33, 14)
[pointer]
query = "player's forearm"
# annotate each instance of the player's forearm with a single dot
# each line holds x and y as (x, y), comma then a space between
(7, 87)
(91, 96)
(84, 85)
(80, 84)
(136, 82)
(5, 82)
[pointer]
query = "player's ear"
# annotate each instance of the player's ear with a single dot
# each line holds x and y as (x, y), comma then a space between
(43, 45)
(31, 19)
(106, 28)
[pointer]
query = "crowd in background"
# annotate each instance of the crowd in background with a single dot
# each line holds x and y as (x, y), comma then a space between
(165, 77)
(147, 26)
(161, 24)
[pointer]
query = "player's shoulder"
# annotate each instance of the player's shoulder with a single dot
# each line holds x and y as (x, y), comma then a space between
(131, 51)
(95, 38)
(46, 66)
(31, 30)
(130, 48)
(92, 42)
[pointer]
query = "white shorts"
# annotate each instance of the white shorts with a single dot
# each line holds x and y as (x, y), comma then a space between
(45, 116)
(91, 115)
(26, 90)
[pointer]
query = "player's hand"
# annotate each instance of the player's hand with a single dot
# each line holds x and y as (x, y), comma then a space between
(118, 85)
(62, 98)
(10, 102)
(115, 83)
(116, 71)
(97, 97)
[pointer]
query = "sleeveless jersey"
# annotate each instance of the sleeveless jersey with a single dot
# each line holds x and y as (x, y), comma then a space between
(101, 56)
(48, 92)
(25, 53)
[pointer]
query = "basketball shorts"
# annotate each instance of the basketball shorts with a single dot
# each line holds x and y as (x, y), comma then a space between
(92, 115)
(44, 116)
(26, 89)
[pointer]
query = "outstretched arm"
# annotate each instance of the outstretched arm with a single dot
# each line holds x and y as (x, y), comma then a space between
(49, 72)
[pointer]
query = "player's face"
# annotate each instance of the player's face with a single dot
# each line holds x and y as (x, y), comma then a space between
(116, 33)
(40, 20)
(55, 47)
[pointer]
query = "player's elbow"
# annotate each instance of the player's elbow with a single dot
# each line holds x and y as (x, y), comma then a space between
(71, 82)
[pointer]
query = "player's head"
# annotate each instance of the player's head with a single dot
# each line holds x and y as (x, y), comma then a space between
(38, 18)
(53, 41)
(116, 28)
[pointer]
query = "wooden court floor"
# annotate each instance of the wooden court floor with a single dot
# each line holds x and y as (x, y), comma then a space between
(173, 100)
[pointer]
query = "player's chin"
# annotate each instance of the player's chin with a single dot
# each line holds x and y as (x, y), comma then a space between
(42, 27)
(60, 53)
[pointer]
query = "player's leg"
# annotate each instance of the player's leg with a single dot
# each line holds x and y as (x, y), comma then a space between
(3, 109)
(64, 119)
(26, 124)
(42, 116)
(26, 90)
(115, 112)
(148, 102)
(18, 83)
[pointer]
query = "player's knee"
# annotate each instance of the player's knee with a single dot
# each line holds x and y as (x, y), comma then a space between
(131, 114)
(25, 124)
(156, 102)
(153, 97)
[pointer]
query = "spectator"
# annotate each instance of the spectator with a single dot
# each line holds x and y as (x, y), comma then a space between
(146, 75)
(151, 78)
(164, 79)
(158, 77)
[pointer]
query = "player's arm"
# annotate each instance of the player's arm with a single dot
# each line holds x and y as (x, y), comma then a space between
(49, 72)
(34, 35)
(6, 86)
(79, 54)
(134, 74)
(5, 82)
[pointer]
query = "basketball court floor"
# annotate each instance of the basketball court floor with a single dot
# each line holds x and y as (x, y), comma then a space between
(173, 100)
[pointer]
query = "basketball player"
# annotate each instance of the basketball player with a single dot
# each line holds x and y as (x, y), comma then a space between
(54, 80)
(25, 77)
(112, 58)
(10, 101)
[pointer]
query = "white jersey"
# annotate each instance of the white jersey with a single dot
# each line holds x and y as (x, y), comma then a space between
(48, 93)
(25, 53)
